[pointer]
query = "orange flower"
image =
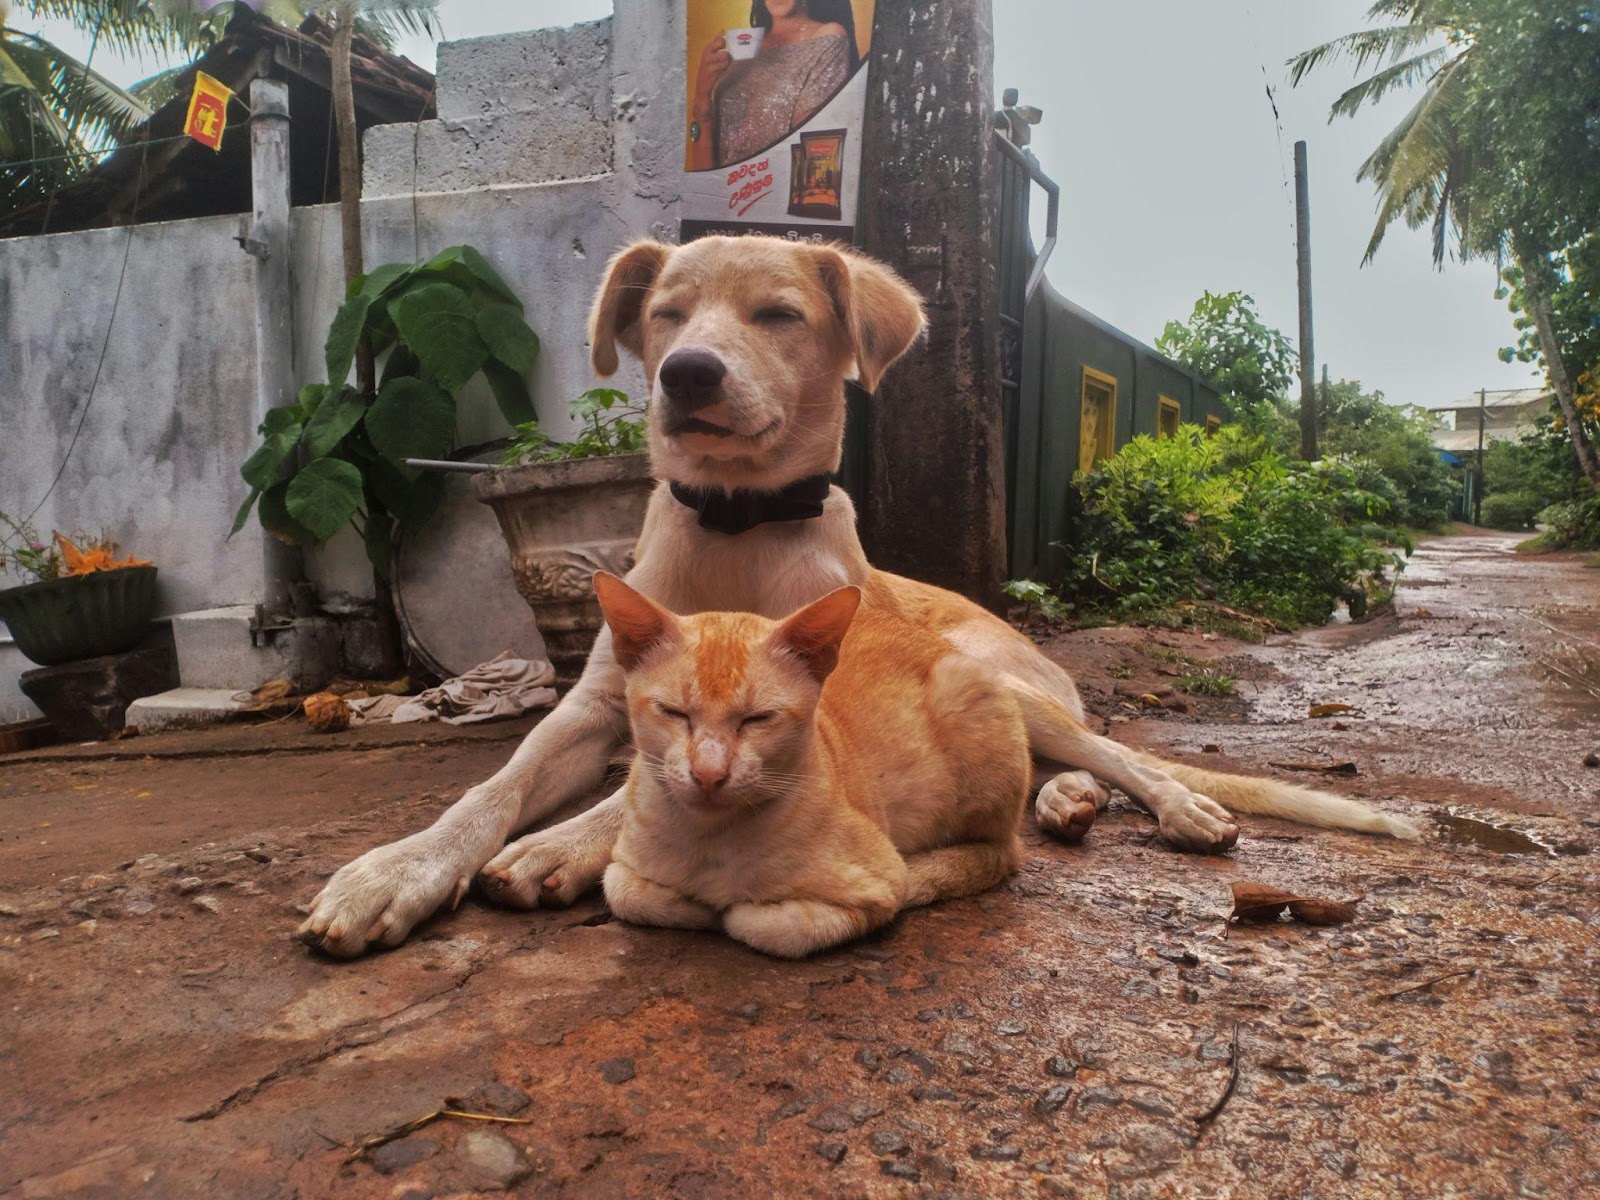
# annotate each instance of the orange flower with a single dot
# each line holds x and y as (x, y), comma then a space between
(99, 555)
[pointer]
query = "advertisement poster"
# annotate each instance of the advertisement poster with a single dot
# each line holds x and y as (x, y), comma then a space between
(772, 140)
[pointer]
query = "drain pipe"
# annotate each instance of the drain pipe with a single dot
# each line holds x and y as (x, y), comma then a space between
(265, 237)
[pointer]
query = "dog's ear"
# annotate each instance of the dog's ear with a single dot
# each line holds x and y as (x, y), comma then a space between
(620, 302)
(814, 633)
(881, 313)
(638, 624)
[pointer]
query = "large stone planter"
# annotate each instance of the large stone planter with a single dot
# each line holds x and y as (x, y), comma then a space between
(564, 521)
(80, 616)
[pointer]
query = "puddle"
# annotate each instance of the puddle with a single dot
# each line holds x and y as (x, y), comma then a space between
(1466, 831)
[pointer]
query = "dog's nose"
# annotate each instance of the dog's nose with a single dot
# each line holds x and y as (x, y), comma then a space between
(691, 378)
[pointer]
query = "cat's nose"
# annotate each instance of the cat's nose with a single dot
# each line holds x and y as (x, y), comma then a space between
(709, 766)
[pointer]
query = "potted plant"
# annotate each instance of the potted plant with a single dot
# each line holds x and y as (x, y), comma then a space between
(568, 509)
(83, 602)
(338, 455)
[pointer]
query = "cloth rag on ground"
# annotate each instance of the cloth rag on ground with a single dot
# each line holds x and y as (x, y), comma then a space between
(505, 686)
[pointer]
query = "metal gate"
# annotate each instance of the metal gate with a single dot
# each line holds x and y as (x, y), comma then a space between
(1021, 271)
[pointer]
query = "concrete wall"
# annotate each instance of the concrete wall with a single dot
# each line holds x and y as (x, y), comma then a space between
(552, 149)
(156, 459)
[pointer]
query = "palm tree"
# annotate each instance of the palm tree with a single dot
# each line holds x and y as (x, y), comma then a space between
(1426, 167)
(57, 113)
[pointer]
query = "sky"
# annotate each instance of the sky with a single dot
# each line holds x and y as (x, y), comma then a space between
(1177, 178)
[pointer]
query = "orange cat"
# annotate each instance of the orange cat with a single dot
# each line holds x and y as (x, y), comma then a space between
(799, 782)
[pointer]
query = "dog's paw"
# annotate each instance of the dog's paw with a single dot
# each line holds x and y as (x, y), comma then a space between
(378, 899)
(1068, 804)
(551, 868)
(1199, 825)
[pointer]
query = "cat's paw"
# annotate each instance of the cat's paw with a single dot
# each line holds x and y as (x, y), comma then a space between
(1199, 825)
(1068, 804)
(549, 869)
(640, 901)
(793, 928)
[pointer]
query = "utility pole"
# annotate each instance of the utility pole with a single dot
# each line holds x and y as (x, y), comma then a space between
(1477, 491)
(1308, 356)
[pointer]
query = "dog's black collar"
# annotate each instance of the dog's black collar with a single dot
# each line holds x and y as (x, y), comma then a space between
(740, 511)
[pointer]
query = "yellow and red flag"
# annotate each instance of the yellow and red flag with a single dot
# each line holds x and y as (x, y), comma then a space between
(208, 111)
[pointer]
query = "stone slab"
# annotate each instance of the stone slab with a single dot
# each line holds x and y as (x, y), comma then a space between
(88, 700)
(182, 708)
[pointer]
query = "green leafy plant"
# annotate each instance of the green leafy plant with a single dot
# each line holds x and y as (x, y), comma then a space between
(1509, 510)
(1226, 340)
(1570, 525)
(611, 424)
(23, 553)
(1206, 681)
(1036, 595)
(1191, 518)
(337, 456)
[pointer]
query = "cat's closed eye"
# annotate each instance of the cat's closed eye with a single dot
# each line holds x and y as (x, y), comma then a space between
(759, 718)
(674, 713)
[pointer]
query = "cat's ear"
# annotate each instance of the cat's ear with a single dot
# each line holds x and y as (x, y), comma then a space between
(619, 305)
(813, 634)
(638, 624)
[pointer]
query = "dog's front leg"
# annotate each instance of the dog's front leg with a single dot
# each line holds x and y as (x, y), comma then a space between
(555, 866)
(381, 896)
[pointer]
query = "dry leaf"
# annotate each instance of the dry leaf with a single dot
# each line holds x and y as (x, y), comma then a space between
(1261, 902)
(1323, 912)
(1329, 710)
(327, 713)
(1150, 700)
(1338, 768)
(271, 691)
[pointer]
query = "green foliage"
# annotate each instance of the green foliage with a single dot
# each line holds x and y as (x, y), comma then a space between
(337, 455)
(1539, 465)
(610, 425)
(1207, 681)
(1509, 510)
(1390, 449)
(1226, 340)
(1037, 595)
(1189, 517)
(1570, 525)
(23, 553)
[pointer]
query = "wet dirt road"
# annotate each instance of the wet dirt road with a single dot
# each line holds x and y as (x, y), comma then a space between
(1071, 1034)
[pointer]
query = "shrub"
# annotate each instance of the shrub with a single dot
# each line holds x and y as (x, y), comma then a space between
(1189, 517)
(1509, 510)
(1570, 525)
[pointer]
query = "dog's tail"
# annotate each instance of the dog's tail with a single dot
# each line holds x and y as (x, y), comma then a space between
(1055, 734)
(1275, 798)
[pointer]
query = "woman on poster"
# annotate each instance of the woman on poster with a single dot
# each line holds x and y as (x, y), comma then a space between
(806, 52)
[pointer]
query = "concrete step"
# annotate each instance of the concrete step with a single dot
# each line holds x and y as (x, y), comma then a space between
(215, 651)
(182, 708)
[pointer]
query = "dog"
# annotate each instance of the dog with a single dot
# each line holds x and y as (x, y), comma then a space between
(747, 343)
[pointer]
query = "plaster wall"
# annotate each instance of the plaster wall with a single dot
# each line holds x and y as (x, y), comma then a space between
(553, 149)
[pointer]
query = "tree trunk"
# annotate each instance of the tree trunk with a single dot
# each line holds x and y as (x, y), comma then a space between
(1538, 298)
(935, 502)
(344, 112)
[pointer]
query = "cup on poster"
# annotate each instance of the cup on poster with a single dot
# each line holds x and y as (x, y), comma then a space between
(744, 43)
